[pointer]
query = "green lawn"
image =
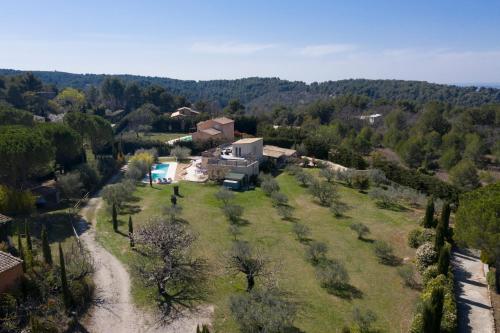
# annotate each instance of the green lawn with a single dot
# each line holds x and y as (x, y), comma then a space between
(164, 137)
(381, 287)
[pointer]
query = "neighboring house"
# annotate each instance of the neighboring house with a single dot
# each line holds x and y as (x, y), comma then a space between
(278, 155)
(218, 129)
(184, 112)
(56, 118)
(5, 222)
(11, 271)
(241, 158)
(371, 118)
(38, 119)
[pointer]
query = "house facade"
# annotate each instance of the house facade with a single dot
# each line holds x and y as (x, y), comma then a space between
(218, 129)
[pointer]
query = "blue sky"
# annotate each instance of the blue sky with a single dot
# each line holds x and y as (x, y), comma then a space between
(439, 41)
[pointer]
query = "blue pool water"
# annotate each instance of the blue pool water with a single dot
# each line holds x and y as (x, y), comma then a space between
(159, 171)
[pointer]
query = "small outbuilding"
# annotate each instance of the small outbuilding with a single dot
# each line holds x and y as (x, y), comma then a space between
(235, 181)
(11, 271)
(278, 155)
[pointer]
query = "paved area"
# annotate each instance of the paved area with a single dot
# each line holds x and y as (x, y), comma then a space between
(474, 306)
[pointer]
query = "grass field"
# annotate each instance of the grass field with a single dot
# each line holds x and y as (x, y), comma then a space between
(381, 287)
(158, 136)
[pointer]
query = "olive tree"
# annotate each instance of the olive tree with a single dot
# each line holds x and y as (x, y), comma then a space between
(243, 259)
(169, 265)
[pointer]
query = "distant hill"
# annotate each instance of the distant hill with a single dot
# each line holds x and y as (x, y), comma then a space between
(265, 93)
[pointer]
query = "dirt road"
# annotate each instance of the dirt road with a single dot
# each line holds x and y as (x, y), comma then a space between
(114, 311)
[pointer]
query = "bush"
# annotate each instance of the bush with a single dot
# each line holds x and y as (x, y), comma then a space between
(333, 276)
(89, 176)
(360, 229)
(233, 212)
(338, 208)
(425, 256)
(293, 169)
(268, 184)
(364, 320)
(429, 273)
(316, 252)
(414, 238)
(279, 198)
(304, 178)
(491, 278)
(449, 320)
(407, 273)
(360, 181)
(285, 212)
(325, 192)
(301, 231)
(180, 153)
(385, 253)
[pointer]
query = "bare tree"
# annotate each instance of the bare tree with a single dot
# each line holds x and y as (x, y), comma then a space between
(168, 265)
(243, 259)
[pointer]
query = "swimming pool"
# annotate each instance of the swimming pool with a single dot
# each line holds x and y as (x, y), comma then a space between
(158, 171)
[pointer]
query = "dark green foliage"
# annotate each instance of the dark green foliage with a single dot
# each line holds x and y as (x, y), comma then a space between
(263, 310)
(176, 190)
(173, 199)
(428, 221)
(27, 233)
(433, 311)
(445, 218)
(316, 252)
(360, 229)
(114, 217)
(385, 253)
(347, 157)
(47, 253)
(364, 319)
(131, 231)
(444, 260)
(21, 250)
(203, 329)
(64, 280)
(440, 237)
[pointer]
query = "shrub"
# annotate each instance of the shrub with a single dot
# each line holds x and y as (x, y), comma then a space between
(429, 273)
(333, 276)
(491, 278)
(180, 153)
(279, 198)
(225, 195)
(328, 173)
(407, 273)
(305, 179)
(316, 252)
(325, 192)
(70, 185)
(385, 253)
(293, 169)
(449, 319)
(285, 212)
(338, 208)
(268, 184)
(364, 319)
(360, 181)
(425, 256)
(414, 238)
(360, 229)
(16, 201)
(233, 212)
(301, 231)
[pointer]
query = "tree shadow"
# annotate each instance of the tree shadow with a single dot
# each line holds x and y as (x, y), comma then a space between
(345, 291)
(240, 222)
(129, 209)
(366, 240)
(391, 260)
(395, 207)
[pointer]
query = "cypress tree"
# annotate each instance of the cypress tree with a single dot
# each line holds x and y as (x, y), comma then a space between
(433, 311)
(28, 235)
(440, 237)
(444, 260)
(115, 218)
(429, 214)
(21, 251)
(131, 231)
(445, 219)
(64, 280)
(47, 254)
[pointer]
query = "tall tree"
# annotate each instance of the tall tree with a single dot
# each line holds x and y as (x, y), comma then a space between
(131, 231)
(114, 217)
(444, 260)
(64, 280)
(445, 218)
(245, 260)
(47, 253)
(433, 311)
(21, 250)
(429, 214)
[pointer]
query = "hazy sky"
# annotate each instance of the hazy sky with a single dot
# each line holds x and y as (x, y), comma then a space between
(440, 41)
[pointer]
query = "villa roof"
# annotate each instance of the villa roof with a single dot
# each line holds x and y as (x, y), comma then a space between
(4, 219)
(211, 131)
(223, 120)
(277, 152)
(247, 140)
(8, 261)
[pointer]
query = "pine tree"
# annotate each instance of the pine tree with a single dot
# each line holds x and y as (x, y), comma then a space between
(433, 311)
(115, 218)
(47, 254)
(429, 214)
(131, 231)
(445, 219)
(64, 280)
(444, 260)
(20, 249)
